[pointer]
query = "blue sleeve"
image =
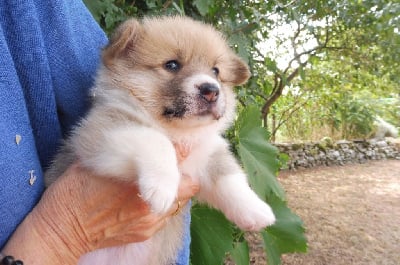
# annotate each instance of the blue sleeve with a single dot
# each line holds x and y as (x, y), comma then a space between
(184, 253)
(49, 53)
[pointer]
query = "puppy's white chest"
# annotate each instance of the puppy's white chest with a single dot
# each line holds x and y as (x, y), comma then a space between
(193, 158)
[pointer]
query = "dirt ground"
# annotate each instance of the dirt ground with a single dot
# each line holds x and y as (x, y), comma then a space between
(351, 214)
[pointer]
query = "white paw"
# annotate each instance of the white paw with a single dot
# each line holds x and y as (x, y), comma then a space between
(254, 216)
(160, 191)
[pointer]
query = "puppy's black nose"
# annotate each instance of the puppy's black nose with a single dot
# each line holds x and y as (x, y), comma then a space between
(209, 92)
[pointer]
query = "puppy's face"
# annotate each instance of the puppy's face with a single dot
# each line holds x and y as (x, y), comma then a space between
(181, 71)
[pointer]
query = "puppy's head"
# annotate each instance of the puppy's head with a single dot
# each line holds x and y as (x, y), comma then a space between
(182, 71)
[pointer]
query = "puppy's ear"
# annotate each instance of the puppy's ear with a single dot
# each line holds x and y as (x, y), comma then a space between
(122, 41)
(239, 72)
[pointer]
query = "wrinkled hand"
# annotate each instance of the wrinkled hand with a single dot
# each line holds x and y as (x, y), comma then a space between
(81, 212)
(111, 213)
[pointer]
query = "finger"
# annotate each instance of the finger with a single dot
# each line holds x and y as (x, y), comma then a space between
(187, 188)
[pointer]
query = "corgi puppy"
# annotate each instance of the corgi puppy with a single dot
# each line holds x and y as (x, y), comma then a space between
(164, 90)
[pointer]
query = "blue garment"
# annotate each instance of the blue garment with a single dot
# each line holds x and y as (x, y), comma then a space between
(49, 53)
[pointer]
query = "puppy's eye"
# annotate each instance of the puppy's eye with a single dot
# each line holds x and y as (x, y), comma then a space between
(215, 70)
(172, 66)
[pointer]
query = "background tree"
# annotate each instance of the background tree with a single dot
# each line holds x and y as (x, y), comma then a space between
(353, 48)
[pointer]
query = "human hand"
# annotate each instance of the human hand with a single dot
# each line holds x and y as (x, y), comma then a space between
(81, 212)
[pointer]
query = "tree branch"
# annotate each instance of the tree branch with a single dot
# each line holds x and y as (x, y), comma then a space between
(283, 121)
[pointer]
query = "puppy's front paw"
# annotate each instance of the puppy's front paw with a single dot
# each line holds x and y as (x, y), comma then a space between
(160, 192)
(254, 216)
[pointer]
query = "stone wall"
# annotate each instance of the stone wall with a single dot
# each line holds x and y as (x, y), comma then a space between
(326, 152)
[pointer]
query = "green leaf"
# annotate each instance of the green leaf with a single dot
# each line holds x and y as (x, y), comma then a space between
(286, 235)
(258, 156)
(260, 160)
(211, 236)
(151, 4)
(179, 9)
(283, 160)
(270, 64)
(240, 253)
(241, 43)
(203, 6)
(97, 8)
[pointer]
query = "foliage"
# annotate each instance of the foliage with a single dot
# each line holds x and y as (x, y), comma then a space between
(213, 235)
(341, 100)
(352, 81)
(286, 235)
(260, 160)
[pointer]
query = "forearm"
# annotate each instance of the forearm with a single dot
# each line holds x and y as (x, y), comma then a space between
(34, 247)
(36, 243)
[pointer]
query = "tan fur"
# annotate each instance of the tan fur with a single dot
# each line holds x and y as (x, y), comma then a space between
(143, 112)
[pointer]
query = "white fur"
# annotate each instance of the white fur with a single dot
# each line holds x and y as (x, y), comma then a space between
(231, 193)
(126, 137)
(145, 154)
(137, 252)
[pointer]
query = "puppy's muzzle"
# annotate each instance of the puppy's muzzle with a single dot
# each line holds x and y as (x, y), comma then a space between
(209, 92)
